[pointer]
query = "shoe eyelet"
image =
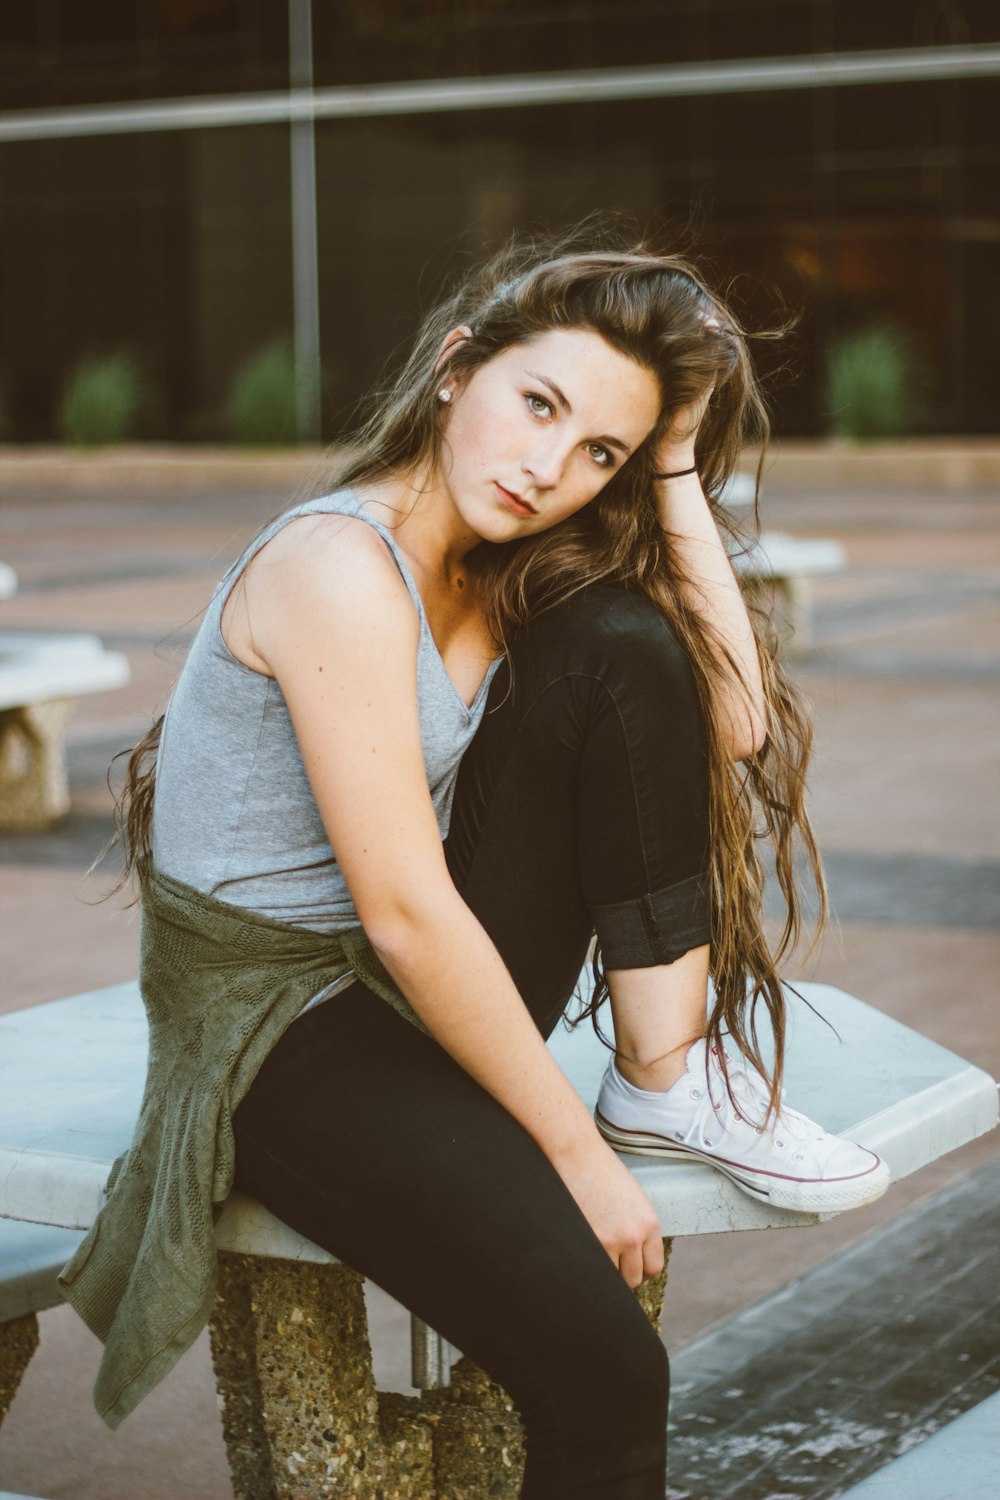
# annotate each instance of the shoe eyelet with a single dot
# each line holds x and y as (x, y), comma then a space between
(695, 1093)
(678, 1135)
(798, 1156)
(708, 1143)
(780, 1145)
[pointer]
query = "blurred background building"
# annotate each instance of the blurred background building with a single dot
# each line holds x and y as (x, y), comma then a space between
(844, 152)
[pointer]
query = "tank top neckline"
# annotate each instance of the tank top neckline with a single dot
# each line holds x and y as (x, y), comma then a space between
(363, 514)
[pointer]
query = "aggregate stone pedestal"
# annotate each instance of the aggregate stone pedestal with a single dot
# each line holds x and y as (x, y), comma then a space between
(18, 1342)
(302, 1419)
(34, 790)
(787, 601)
(300, 1414)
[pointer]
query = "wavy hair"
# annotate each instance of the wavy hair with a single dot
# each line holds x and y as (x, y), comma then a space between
(657, 309)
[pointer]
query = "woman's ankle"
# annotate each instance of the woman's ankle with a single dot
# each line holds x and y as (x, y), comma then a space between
(657, 1076)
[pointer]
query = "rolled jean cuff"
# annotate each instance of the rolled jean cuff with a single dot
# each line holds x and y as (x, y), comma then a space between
(655, 929)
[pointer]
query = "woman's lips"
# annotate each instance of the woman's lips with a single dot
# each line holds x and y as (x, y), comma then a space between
(514, 502)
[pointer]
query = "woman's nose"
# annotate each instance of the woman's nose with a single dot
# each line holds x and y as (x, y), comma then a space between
(545, 465)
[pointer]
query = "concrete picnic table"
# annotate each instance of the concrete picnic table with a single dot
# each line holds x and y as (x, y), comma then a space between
(71, 1076)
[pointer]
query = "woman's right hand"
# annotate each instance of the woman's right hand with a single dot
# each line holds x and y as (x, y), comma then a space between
(617, 1210)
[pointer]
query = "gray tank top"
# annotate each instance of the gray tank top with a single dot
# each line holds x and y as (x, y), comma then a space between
(234, 815)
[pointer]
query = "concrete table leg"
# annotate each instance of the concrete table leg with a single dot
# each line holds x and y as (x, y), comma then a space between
(652, 1291)
(798, 599)
(478, 1443)
(18, 1342)
(789, 603)
(234, 1355)
(34, 790)
(301, 1415)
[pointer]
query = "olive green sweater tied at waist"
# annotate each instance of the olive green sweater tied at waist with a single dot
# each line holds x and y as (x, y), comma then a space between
(220, 984)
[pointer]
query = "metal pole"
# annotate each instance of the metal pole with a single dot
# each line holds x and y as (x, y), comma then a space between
(305, 254)
(430, 1357)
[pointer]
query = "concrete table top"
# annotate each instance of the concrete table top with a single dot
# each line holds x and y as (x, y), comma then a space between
(72, 1071)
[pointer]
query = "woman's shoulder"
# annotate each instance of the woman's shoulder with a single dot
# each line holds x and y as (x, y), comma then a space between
(319, 535)
(328, 571)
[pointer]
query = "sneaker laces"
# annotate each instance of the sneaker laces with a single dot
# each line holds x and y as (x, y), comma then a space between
(750, 1100)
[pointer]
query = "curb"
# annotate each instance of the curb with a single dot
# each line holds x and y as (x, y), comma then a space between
(949, 464)
(148, 468)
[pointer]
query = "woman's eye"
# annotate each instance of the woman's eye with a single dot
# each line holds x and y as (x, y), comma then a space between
(600, 455)
(539, 405)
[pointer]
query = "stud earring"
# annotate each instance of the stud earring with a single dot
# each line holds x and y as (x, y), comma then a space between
(444, 394)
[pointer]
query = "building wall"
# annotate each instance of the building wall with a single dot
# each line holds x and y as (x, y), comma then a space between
(842, 206)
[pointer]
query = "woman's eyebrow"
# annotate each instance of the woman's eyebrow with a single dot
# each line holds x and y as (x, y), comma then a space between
(563, 400)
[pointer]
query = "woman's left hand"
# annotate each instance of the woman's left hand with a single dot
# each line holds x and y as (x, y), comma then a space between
(676, 448)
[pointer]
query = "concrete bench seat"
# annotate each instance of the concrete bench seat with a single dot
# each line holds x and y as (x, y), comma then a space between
(31, 1257)
(786, 565)
(71, 1075)
(958, 1462)
(36, 667)
(40, 677)
(778, 562)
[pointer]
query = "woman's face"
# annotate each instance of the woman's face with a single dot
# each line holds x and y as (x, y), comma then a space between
(537, 432)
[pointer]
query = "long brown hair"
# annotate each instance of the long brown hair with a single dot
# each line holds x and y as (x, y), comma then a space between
(656, 309)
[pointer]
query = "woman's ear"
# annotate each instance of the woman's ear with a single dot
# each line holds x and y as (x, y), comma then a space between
(451, 342)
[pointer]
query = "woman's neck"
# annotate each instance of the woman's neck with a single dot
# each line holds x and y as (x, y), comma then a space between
(421, 514)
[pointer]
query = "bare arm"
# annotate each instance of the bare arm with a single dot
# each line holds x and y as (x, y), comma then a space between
(712, 590)
(335, 625)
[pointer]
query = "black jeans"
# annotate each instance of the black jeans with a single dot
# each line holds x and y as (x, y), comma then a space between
(582, 803)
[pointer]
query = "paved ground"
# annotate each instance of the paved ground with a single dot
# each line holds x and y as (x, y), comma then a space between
(854, 1364)
(905, 680)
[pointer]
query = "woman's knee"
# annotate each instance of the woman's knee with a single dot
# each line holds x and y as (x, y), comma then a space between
(616, 635)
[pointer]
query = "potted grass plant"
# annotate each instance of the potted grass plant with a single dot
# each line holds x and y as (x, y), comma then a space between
(874, 383)
(102, 401)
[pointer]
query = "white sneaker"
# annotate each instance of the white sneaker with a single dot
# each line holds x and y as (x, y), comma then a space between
(792, 1163)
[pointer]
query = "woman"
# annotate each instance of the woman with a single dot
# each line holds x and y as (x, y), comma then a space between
(497, 691)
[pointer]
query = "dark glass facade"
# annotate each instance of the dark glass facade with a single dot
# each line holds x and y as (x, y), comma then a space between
(55, 53)
(171, 246)
(844, 204)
